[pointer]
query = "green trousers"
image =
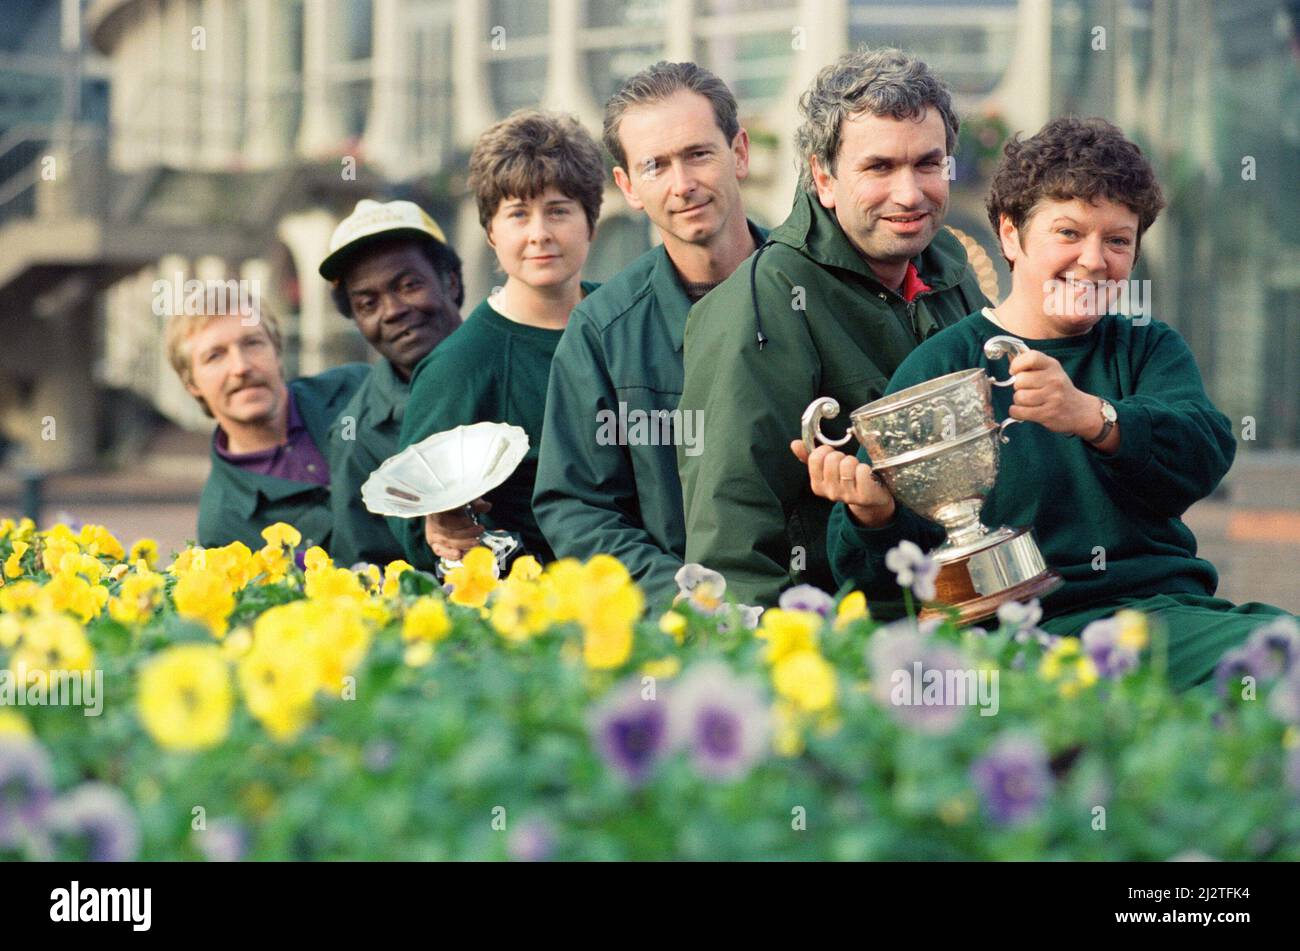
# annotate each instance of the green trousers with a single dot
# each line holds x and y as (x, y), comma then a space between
(1199, 629)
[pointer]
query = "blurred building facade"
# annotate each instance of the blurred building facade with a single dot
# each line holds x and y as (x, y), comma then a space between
(238, 132)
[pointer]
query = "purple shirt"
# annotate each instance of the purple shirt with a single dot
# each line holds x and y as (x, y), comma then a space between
(297, 459)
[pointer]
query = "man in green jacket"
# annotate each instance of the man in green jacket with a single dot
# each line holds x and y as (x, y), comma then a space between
(393, 272)
(1122, 437)
(856, 277)
(607, 474)
(268, 463)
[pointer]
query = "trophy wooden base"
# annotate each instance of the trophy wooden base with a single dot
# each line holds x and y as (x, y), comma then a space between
(980, 578)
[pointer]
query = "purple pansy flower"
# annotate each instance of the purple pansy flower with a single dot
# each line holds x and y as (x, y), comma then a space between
(913, 569)
(721, 718)
(532, 840)
(911, 676)
(1269, 652)
(1100, 641)
(1235, 666)
(97, 822)
(1284, 701)
(1277, 645)
(747, 615)
(1013, 778)
(806, 597)
(630, 731)
(224, 840)
(1023, 620)
(26, 788)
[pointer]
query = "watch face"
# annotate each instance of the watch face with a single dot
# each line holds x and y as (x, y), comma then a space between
(1108, 412)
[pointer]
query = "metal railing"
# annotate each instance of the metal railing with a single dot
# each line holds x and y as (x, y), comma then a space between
(23, 153)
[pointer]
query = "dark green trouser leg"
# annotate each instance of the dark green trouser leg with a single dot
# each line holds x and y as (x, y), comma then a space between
(1199, 629)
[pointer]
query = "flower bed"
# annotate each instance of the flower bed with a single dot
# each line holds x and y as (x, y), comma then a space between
(250, 709)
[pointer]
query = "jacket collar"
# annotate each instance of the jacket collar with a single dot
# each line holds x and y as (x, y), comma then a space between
(246, 487)
(389, 391)
(816, 232)
(666, 285)
(249, 485)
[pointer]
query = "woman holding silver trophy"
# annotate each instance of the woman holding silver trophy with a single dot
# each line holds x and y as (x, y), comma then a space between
(1126, 438)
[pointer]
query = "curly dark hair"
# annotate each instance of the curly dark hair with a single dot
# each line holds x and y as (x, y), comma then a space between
(1071, 158)
(531, 150)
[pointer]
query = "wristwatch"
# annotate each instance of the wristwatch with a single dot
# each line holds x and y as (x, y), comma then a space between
(1108, 416)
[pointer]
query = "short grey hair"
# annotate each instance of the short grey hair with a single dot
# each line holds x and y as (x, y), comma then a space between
(885, 82)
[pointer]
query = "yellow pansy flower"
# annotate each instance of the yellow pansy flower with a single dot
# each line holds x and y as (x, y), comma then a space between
(369, 577)
(608, 615)
(564, 589)
(474, 579)
(665, 668)
(282, 535)
(277, 687)
(392, 577)
(787, 632)
(520, 609)
(184, 697)
(74, 594)
(98, 540)
(525, 568)
(674, 625)
(11, 723)
(273, 563)
(787, 737)
(237, 643)
(54, 550)
(805, 679)
(418, 653)
(316, 558)
(11, 629)
(13, 566)
(22, 596)
(145, 549)
(852, 608)
(205, 596)
(426, 620)
(327, 583)
(52, 642)
(1065, 662)
(1133, 633)
(138, 599)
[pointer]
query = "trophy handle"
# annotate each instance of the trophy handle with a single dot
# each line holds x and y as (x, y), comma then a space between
(1002, 429)
(1009, 347)
(824, 407)
(1004, 346)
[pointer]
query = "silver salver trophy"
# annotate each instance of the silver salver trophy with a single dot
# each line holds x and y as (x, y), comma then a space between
(448, 471)
(935, 447)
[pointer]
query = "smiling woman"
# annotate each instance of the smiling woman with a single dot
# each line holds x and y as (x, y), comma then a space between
(537, 178)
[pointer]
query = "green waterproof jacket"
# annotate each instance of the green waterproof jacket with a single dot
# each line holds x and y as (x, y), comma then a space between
(236, 505)
(367, 434)
(607, 473)
(804, 317)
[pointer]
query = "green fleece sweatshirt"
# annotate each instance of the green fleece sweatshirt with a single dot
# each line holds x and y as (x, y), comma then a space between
(1087, 509)
(491, 369)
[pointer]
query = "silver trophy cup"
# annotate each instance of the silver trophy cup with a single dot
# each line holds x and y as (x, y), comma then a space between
(935, 447)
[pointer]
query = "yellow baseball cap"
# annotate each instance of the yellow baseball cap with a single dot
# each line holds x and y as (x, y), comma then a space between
(372, 220)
